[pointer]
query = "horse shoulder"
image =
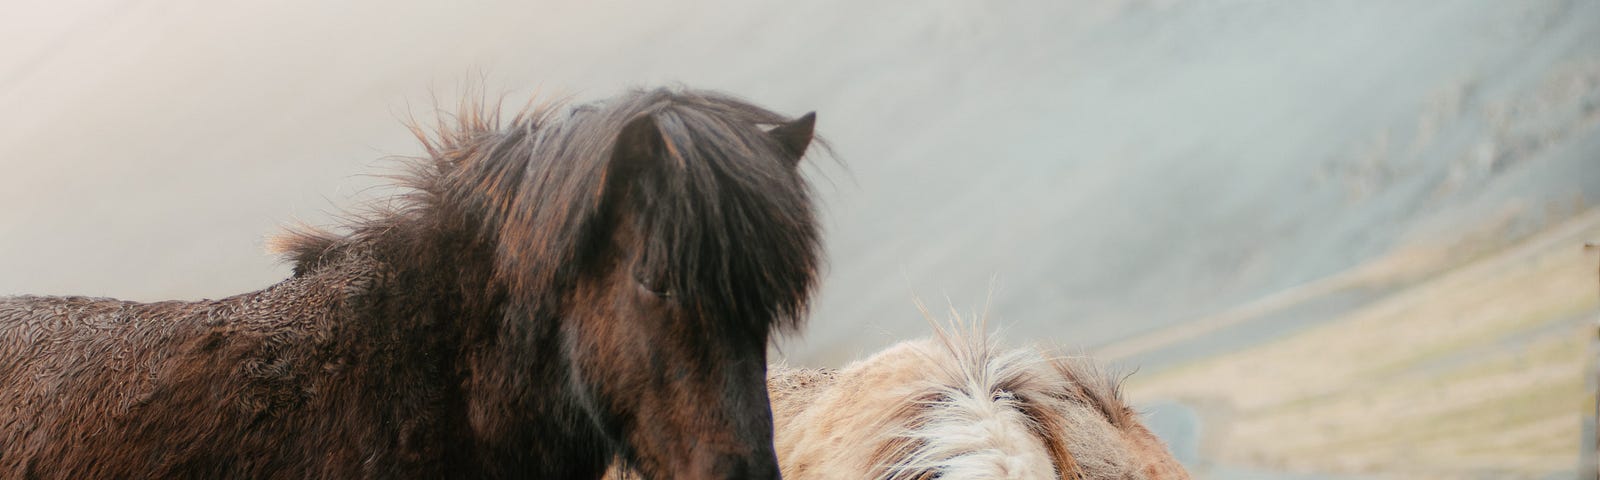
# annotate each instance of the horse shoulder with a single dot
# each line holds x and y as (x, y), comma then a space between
(103, 387)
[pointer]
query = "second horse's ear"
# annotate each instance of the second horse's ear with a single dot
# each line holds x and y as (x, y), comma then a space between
(795, 136)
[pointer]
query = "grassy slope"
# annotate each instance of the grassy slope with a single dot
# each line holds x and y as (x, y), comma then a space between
(1475, 369)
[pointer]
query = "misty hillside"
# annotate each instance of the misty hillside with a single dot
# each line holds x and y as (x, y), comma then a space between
(1112, 166)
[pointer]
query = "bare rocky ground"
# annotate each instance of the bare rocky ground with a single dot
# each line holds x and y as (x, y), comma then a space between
(1181, 186)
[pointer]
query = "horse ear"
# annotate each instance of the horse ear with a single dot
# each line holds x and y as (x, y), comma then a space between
(639, 144)
(638, 150)
(795, 136)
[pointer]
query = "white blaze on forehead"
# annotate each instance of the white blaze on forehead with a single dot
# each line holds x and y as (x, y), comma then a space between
(978, 425)
(975, 431)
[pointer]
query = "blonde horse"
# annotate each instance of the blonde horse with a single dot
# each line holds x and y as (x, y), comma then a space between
(960, 406)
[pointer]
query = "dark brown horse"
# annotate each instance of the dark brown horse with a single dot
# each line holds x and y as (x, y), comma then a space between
(574, 286)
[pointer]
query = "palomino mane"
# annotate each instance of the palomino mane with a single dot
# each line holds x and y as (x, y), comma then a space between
(1069, 406)
(543, 192)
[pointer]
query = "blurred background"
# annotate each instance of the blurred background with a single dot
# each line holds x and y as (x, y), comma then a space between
(1335, 239)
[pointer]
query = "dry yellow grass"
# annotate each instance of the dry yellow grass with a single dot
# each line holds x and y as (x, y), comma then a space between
(1478, 369)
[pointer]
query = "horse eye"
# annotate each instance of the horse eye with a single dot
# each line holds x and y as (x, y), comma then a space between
(653, 287)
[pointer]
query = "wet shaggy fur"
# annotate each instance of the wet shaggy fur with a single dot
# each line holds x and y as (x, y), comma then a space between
(574, 286)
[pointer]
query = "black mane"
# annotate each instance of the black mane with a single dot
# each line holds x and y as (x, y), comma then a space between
(536, 187)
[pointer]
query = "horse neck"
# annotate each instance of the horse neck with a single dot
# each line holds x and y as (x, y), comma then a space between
(445, 271)
(507, 348)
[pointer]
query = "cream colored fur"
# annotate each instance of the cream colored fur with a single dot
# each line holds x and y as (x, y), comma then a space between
(959, 406)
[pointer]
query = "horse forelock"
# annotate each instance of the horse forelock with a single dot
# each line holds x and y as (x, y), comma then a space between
(965, 423)
(724, 218)
(986, 410)
(729, 223)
